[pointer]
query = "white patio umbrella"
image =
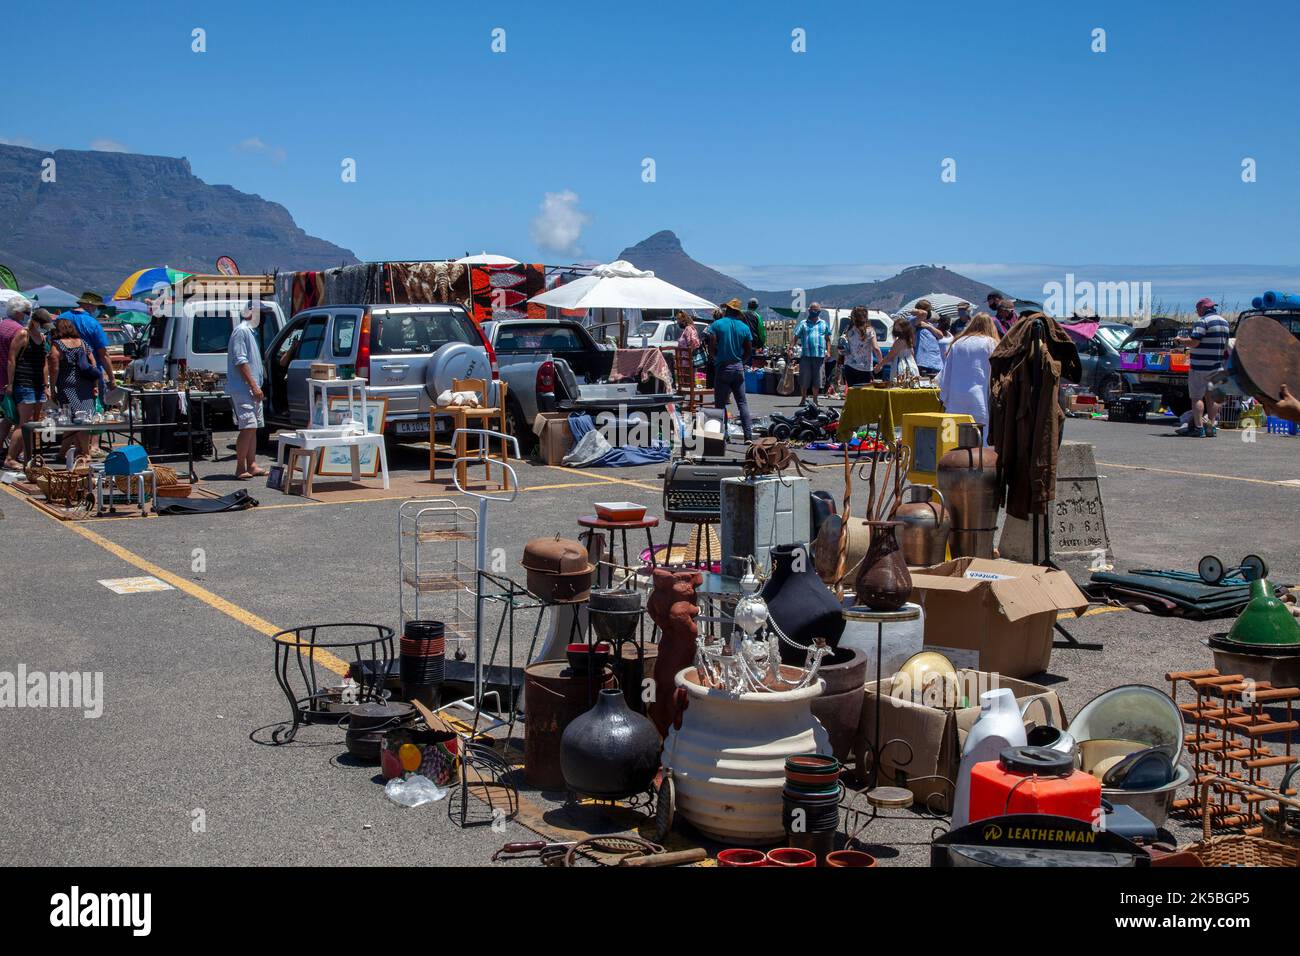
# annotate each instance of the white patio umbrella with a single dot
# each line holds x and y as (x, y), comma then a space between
(487, 259)
(620, 285)
(50, 297)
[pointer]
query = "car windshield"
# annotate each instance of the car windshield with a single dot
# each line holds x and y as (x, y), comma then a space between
(1112, 335)
(413, 333)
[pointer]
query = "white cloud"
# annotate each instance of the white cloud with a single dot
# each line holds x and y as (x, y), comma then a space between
(257, 146)
(559, 222)
(103, 145)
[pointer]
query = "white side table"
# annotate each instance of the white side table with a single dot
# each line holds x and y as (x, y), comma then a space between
(358, 408)
(323, 439)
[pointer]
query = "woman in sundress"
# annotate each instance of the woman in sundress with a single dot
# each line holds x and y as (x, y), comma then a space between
(72, 385)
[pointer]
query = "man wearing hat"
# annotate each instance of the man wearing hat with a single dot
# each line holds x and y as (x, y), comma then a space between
(1208, 341)
(92, 333)
(732, 345)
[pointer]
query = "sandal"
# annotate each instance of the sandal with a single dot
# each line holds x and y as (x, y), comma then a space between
(245, 476)
(258, 472)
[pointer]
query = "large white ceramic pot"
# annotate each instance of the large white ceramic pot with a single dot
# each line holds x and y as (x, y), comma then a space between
(728, 758)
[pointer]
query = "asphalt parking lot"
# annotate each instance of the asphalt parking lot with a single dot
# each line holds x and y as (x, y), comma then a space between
(177, 770)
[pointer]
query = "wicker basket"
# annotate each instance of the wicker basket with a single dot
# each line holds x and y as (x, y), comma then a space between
(1240, 849)
(67, 487)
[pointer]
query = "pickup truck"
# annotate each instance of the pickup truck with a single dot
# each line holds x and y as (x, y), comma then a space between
(555, 365)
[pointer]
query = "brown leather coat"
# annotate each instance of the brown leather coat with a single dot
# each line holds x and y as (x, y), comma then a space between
(1025, 416)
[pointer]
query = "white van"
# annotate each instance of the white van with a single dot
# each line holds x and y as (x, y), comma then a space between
(197, 335)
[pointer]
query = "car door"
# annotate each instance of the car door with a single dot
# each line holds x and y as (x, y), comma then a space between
(309, 348)
(275, 360)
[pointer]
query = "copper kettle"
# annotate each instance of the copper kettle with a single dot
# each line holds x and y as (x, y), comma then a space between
(926, 525)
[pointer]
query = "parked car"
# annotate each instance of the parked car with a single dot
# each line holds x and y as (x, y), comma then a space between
(195, 337)
(118, 339)
(408, 354)
(556, 365)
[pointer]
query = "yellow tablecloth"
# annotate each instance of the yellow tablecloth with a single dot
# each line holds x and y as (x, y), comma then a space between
(866, 406)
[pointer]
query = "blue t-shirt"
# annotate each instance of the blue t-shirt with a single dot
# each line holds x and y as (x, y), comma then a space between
(813, 334)
(928, 353)
(1211, 333)
(729, 336)
(88, 328)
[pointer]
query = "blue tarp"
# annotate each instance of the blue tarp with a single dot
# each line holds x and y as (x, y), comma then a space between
(580, 424)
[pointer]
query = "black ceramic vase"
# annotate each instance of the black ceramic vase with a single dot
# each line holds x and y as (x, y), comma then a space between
(611, 751)
(800, 604)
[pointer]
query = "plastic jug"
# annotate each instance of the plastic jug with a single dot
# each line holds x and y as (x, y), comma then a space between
(1033, 780)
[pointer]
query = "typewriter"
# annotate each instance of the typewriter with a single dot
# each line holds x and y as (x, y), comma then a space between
(693, 489)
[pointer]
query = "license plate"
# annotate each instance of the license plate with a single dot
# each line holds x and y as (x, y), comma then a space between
(411, 428)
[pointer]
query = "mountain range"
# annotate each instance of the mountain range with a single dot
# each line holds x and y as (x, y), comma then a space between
(103, 215)
(663, 253)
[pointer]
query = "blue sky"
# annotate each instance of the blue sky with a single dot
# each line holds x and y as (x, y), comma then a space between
(762, 155)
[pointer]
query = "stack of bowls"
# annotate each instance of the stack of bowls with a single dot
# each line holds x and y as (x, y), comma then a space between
(423, 661)
(811, 802)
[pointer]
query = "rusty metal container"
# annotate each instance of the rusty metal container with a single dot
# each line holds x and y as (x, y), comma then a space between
(553, 698)
(968, 481)
(926, 526)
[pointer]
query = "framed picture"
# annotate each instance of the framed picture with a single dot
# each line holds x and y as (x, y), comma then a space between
(275, 478)
(336, 461)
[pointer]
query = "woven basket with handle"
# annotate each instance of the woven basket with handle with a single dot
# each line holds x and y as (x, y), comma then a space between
(66, 487)
(1240, 849)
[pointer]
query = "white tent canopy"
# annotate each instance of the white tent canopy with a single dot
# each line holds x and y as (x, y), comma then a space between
(943, 304)
(487, 259)
(48, 296)
(620, 285)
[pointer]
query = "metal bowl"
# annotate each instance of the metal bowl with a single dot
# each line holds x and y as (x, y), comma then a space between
(1152, 804)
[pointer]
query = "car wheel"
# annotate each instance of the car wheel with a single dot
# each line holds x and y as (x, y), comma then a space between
(1111, 388)
(517, 427)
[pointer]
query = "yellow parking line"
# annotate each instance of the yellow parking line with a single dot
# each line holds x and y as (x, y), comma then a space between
(1190, 474)
(214, 601)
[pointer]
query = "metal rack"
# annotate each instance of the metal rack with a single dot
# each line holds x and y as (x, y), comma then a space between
(437, 544)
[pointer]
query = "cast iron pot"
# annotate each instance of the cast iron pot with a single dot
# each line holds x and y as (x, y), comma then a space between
(611, 751)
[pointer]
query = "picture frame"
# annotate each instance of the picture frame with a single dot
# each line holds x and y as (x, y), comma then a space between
(336, 461)
(275, 478)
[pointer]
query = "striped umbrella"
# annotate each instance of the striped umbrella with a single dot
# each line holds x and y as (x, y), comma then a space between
(144, 281)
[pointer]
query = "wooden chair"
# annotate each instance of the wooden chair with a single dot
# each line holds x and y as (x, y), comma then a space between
(692, 395)
(489, 417)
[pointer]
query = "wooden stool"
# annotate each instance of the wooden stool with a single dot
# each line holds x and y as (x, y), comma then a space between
(296, 457)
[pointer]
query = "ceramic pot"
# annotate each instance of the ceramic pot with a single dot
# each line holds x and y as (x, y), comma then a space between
(800, 604)
(672, 606)
(611, 751)
(742, 856)
(842, 859)
(791, 856)
(883, 582)
(839, 708)
(728, 757)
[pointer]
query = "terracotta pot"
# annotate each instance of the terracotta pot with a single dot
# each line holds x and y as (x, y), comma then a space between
(672, 606)
(611, 751)
(883, 583)
(728, 757)
(842, 859)
(799, 603)
(742, 856)
(791, 856)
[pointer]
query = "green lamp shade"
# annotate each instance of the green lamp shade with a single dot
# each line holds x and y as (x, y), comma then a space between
(1265, 620)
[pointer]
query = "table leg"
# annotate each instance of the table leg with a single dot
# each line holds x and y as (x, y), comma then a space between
(383, 461)
(650, 543)
(462, 449)
(356, 463)
(313, 457)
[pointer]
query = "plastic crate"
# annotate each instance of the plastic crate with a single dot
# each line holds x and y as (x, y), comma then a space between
(1128, 408)
(1230, 413)
(1180, 362)
(1130, 361)
(1155, 361)
(1280, 426)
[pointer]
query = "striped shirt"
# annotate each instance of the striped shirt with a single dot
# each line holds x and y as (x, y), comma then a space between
(1211, 334)
(813, 334)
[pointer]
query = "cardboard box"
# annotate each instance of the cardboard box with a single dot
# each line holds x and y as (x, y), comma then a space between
(554, 440)
(1001, 610)
(935, 736)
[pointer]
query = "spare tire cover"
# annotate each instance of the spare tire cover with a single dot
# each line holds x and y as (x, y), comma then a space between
(452, 361)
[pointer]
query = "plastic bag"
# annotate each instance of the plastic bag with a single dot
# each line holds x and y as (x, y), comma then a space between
(413, 790)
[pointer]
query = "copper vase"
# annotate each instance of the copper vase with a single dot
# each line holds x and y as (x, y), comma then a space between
(883, 582)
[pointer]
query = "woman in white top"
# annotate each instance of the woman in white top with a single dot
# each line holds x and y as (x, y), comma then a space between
(903, 352)
(964, 381)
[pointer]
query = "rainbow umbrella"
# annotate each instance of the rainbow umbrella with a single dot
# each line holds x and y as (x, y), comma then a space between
(146, 280)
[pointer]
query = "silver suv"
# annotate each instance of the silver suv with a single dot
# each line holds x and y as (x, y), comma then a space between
(407, 353)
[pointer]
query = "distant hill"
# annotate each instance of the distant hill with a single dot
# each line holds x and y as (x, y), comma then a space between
(108, 214)
(663, 253)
